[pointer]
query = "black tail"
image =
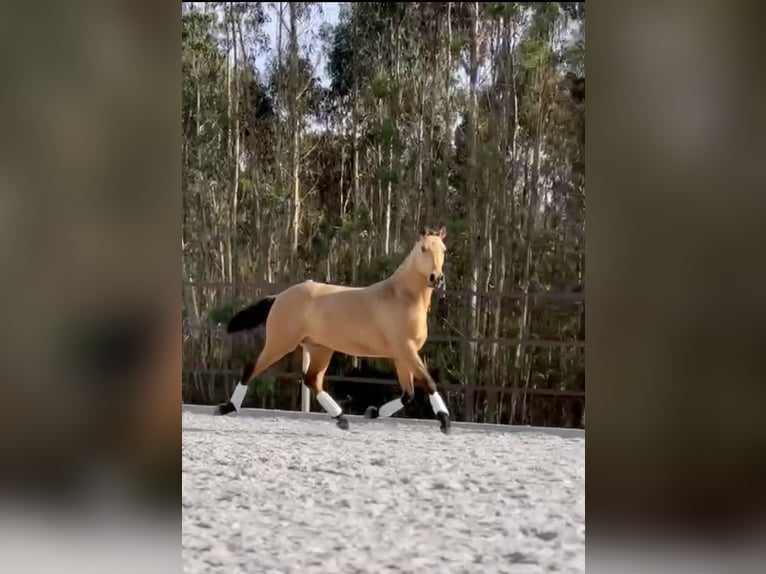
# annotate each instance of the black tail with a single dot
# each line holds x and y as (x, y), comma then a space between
(251, 317)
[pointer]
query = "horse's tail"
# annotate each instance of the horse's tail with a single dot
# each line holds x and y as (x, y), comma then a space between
(252, 316)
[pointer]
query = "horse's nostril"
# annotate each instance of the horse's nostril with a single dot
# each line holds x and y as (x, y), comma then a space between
(432, 278)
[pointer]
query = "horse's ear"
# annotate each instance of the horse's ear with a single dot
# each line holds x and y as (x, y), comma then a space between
(442, 232)
(423, 231)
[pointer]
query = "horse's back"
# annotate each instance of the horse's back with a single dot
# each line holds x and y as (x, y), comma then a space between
(326, 301)
(309, 298)
(315, 288)
(359, 321)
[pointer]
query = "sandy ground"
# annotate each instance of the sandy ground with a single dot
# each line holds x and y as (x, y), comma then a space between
(302, 496)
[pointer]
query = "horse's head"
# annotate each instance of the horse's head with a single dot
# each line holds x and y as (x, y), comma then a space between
(428, 254)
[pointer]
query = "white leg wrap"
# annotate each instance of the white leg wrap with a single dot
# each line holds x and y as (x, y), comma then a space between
(328, 404)
(390, 408)
(238, 395)
(437, 404)
(306, 360)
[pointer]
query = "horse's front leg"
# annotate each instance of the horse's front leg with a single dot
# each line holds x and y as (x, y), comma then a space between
(404, 376)
(421, 374)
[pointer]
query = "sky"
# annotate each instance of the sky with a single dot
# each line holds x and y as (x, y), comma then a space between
(308, 36)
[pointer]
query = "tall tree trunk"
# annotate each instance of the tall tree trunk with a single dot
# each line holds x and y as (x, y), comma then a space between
(341, 208)
(355, 151)
(190, 296)
(498, 375)
(447, 144)
(295, 134)
(422, 192)
(472, 315)
(505, 192)
(384, 202)
(532, 204)
(226, 262)
(278, 126)
(233, 271)
(531, 218)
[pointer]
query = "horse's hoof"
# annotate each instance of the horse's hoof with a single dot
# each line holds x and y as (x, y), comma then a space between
(444, 422)
(342, 422)
(371, 413)
(224, 409)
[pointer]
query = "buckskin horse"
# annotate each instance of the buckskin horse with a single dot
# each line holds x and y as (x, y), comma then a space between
(387, 319)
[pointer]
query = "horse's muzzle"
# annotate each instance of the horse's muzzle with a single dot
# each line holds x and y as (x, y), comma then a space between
(436, 282)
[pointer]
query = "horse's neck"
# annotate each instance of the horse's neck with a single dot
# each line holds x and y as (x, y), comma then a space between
(412, 281)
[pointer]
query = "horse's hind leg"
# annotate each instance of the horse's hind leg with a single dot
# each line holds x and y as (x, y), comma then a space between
(404, 376)
(316, 359)
(270, 354)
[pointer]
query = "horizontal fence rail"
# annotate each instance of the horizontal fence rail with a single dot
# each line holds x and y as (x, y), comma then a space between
(189, 329)
(383, 381)
(272, 288)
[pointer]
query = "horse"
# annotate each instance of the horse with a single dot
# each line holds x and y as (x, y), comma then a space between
(387, 319)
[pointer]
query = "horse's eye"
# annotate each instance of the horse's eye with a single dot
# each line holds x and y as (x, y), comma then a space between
(423, 248)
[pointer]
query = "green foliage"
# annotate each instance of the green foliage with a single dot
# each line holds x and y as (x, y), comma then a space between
(222, 314)
(339, 58)
(387, 175)
(379, 268)
(408, 125)
(387, 132)
(380, 87)
(574, 10)
(197, 33)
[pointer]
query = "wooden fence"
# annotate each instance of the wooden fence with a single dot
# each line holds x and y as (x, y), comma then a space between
(246, 292)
